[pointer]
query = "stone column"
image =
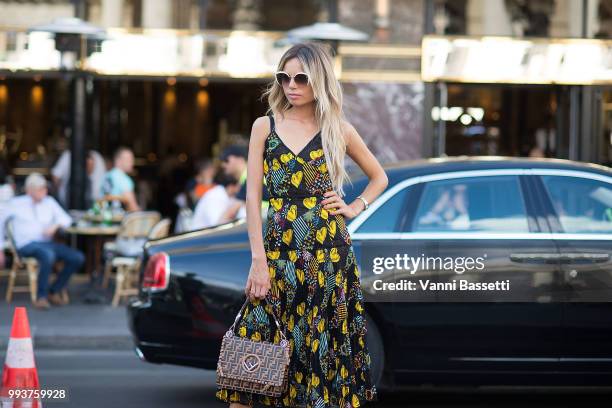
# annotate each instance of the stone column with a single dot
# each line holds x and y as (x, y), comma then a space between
(592, 20)
(156, 13)
(569, 18)
(182, 14)
(247, 15)
(488, 17)
(111, 13)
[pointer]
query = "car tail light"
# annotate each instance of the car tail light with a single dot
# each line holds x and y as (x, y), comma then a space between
(157, 272)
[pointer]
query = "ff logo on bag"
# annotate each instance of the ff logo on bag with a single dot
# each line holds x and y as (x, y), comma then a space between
(251, 363)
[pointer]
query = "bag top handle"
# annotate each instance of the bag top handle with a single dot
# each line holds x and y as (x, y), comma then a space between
(246, 302)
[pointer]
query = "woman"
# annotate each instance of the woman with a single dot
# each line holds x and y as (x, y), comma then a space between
(304, 266)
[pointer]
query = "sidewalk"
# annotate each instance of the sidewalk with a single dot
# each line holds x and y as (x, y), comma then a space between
(75, 326)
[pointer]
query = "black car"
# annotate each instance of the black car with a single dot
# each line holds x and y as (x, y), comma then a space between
(543, 226)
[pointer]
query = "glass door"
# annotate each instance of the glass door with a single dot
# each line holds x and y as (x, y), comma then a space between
(488, 119)
(605, 131)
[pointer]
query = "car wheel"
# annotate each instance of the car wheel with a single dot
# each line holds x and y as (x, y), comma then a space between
(376, 349)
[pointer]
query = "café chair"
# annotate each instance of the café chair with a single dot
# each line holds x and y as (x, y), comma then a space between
(133, 233)
(22, 267)
(126, 280)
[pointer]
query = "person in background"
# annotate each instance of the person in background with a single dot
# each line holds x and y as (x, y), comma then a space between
(234, 163)
(194, 190)
(536, 151)
(7, 192)
(450, 210)
(91, 194)
(96, 168)
(211, 207)
(202, 182)
(37, 217)
(117, 183)
(7, 188)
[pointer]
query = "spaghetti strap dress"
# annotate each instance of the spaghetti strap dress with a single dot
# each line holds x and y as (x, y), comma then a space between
(315, 288)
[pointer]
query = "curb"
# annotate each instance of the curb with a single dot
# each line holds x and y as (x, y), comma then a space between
(99, 327)
(97, 343)
(116, 342)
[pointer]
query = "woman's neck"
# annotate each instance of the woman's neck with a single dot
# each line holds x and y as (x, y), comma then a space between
(305, 113)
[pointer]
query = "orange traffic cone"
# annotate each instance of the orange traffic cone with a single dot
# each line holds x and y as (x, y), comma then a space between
(19, 369)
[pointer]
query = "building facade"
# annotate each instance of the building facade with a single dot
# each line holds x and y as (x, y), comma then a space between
(177, 80)
(533, 73)
(175, 110)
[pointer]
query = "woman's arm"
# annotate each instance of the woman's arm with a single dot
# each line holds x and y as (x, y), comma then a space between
(258, 282)
(254, 186)
(359, 152)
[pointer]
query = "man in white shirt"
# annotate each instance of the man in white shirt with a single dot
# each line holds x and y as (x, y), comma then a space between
(211, 207)
(36, 218)
(96, 169)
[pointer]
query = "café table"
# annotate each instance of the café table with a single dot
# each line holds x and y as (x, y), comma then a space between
(96, 235)
(116, 218)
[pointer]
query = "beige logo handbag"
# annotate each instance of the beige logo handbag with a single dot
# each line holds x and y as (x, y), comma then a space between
(253, 366)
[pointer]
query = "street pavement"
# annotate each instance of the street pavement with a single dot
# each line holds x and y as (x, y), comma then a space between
(87, 350)
(117, 378)
(79, 325)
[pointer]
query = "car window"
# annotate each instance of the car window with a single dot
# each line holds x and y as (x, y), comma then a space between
(490, 203)
(582, 205)
(386, 218)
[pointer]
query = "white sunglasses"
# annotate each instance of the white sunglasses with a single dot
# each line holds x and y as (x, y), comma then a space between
(282, 78)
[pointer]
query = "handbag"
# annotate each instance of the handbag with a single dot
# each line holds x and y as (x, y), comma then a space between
(253, 366)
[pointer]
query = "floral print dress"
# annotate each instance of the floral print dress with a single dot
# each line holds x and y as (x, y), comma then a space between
(315, 288)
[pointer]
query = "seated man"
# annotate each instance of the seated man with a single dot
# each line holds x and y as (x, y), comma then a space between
(118, 185)
(36, 219)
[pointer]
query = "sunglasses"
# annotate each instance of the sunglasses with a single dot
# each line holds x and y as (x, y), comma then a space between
(283, 78)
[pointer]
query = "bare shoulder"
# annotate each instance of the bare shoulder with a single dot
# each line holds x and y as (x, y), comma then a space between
(261, 128)
(349, 132)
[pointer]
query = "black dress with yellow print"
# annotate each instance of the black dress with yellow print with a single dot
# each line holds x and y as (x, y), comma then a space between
(315, 288)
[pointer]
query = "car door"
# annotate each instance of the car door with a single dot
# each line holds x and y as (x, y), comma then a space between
(480, 227)
(582, 206)
(376, 235)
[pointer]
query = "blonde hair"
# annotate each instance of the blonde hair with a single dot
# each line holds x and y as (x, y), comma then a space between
(317, 62)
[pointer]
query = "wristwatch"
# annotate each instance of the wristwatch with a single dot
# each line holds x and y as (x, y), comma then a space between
(365, 203)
